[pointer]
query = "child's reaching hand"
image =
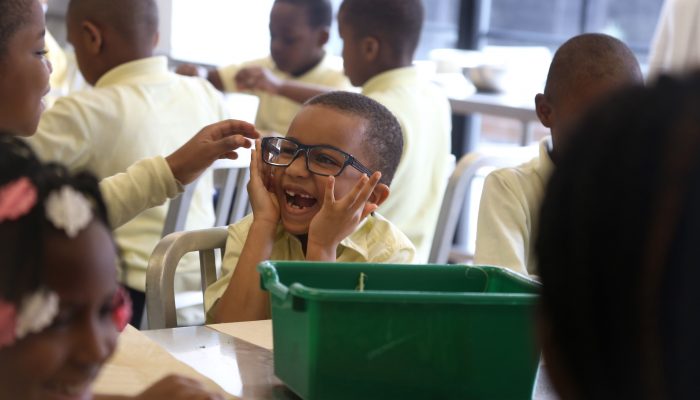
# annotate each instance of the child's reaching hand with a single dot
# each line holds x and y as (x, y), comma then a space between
(265, 206)
(257, 78)
(175, 387)
(171, 387)
(337, 219)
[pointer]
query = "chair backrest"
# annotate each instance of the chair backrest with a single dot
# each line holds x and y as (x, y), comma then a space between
(455, 203)
(160, 276)
(230, 179)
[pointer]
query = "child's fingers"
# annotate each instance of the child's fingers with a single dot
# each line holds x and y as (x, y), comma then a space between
(369, 209)
(367, 189)
(349, 200)
(329, 196)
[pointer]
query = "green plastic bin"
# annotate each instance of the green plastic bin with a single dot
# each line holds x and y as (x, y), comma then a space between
(415, 332)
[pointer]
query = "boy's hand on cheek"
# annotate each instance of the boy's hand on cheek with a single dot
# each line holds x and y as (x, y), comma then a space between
(266, 209)
(337, 219)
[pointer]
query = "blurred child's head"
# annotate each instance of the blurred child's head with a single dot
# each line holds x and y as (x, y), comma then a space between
(58, 286)
(24, 69)
(378, 35)
(298, 31)
(618, 249)
(584, 70)
(108, 33)
(351, 123)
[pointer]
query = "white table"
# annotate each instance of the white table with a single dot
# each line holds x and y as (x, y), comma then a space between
(514, 106)
(242, 368)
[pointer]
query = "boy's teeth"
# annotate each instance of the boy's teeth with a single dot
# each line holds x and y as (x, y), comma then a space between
(292, 194)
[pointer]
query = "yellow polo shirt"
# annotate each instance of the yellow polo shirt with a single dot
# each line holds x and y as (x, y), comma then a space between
(137, 110)
(509, 211)
(375, 240)
(275, 113)
(421, 178)
(59, 65)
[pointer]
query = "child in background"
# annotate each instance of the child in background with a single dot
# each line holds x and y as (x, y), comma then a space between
(379, 40)
(24, 79)
(60, 305)
(299, 30)
(617, 249)
(584, 70)
(313, 196)
(137, 109)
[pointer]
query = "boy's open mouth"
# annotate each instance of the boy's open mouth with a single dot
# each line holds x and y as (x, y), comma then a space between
(299, 200)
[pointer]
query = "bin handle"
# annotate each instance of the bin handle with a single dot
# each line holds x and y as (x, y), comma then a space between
(278, 290)
(272, 281)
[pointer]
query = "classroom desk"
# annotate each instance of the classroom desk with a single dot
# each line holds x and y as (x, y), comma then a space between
(240, 367)
(505, 105)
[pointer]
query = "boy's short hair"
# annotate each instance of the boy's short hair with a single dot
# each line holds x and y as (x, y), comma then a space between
(13, 15)
(319, 12)
(590, 57)
(398, 22)
(383, 140)
(133, 20)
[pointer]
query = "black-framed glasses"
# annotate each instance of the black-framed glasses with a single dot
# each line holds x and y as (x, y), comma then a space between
(320, 159)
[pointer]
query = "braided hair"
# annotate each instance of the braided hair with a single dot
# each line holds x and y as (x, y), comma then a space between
(20, 239)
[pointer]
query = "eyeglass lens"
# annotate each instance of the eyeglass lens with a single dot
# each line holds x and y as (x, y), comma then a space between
(319, 159)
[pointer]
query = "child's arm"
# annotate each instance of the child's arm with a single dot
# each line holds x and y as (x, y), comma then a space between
(150, 182)
(172, 387)
(243, 299)
(339, 218)
(212, 74)
(260, 78)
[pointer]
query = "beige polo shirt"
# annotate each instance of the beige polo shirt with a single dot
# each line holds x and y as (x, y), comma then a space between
(275, 113)
(137, 110)
(375, 240)
(421, 178)
(509, 211)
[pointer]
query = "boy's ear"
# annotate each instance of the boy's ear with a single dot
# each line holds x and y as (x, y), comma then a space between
(543, 109)
(156, 39)
(92, 37)
(323, 36)
(370, 48)
(379, 194)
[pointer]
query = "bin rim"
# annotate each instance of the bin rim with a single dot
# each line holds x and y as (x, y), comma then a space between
(270, 282)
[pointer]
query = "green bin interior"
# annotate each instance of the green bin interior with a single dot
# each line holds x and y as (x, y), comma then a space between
(416, 331)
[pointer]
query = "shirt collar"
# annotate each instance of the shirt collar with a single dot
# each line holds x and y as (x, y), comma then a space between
(149, 66)
(545, 166)
(317, 67)
(390, 78)
(356, 241)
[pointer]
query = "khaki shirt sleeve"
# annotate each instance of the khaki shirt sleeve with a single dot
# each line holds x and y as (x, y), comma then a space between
(147, 183)
(502, 231)
(237, 234)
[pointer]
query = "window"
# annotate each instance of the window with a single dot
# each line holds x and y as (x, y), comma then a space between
(537, 22)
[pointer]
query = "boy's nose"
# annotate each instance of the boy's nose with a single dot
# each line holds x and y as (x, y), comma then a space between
(298, 166)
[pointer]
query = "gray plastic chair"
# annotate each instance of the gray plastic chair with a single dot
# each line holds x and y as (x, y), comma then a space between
(160, 276)
(456, 201)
